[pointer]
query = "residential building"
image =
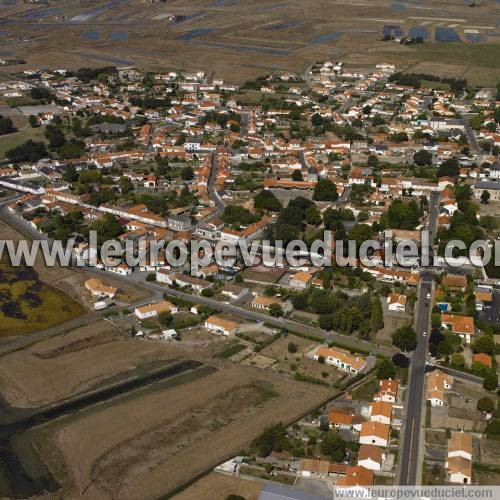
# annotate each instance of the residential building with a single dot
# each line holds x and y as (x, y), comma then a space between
(98, 289)
(375, 433)
(396, 302)
(153, 310)
(300, 281)
(388, 391)
(381, 412)
(221, 326)
(437, 383)
(340, 359)
(462, 326)
(371, 456)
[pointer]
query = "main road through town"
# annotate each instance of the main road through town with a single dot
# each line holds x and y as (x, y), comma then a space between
(410, 446)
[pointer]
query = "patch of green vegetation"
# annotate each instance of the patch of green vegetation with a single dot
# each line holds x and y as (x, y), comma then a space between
(231, 351)
(15, 139)
(28, 305)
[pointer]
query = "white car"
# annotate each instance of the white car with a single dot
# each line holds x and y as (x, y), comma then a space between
(425, 334)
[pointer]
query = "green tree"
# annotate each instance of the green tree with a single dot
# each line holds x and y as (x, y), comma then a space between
(6, 125)
(490, 382)
(485, 197)
(313, 216)
(333, 446)
(165, 319)
(386, 369)
(107, 228)
(376, 315)
(297, 176)
(325, 190)
(33, 121)
(422, 158)
(29, 151)
(457, 361)
(276, 310)
(292, 348)
(266, 200)
(485, 405)
(448, 168)
(484, 344)
(405, 338)
(187, 173)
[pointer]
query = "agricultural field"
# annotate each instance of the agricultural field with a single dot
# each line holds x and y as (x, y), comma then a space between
(79, 361)
(240, 40)
(168, 436)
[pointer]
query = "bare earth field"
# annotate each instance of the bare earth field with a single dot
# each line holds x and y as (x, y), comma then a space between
(241, 39)
(220, 486)
(162, 439)
(68, 365)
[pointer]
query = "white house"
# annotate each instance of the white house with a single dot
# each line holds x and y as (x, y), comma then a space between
(340, 359)
(153, 310)
(221, 326)
(371, 456)
(381, 412)
(374, 433)
(396, 302)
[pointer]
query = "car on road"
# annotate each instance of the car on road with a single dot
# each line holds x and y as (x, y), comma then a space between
(425, 334)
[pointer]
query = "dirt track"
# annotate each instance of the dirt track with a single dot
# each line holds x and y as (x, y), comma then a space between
(145, 447)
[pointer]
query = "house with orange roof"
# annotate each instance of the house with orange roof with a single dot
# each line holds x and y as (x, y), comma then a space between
(356, 476)
(459, 461)
(456, 282)
(98, 289)
(153, 310)
(459, 470)
(437, 383)
(314, 468)
(341, 359)
(462, 326)
(388, 391)
(371, 456)
(221, 326)
(374, 433)
(341, 419)
(396, 302)
(300, 281)
(460, 445)
(263, 303)
(483, 297)
(381, 411)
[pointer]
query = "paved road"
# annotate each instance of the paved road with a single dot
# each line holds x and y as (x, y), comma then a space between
(347, 342)
(410, 454)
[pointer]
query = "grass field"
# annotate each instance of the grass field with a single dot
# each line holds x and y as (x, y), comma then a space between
(28, 305)
(10, 141)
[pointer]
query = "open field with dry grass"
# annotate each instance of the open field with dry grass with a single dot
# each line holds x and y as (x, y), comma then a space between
(239, 40)
(299, 362)
(71, 364)
(144, 447)
(220, 486)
